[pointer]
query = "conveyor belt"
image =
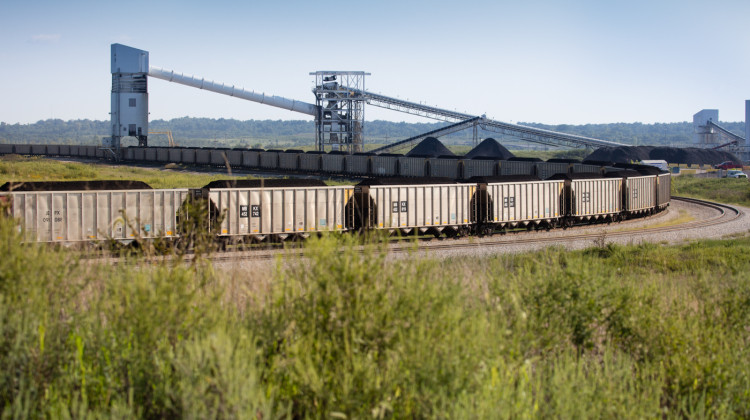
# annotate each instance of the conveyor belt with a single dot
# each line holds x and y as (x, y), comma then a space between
(436, 133)
(531, 134)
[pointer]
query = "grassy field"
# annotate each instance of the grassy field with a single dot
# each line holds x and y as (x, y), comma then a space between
(609, 332)
(17, 169)
(727, 190)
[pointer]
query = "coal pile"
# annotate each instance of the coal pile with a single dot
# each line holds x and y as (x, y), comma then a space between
(693, 155)
(406, 181)
(100, 185)
(623, 154)
(678, 155)
(430, 147)
(497, 179)
(265, 183)
(584, 175)
(489, 149)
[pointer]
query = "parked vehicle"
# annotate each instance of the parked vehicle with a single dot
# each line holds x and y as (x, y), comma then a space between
(728, 165)
(736, 173)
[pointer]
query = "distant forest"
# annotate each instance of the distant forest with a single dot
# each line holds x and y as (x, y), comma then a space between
(297, 133)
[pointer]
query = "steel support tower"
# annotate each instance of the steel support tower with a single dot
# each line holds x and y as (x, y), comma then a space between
(341, 110)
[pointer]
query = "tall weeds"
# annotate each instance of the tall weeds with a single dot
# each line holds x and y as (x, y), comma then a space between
(351, 332)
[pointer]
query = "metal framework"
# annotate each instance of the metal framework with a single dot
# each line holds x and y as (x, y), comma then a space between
(531, 134)
(736, 145)
(341, 110)
(411, 141)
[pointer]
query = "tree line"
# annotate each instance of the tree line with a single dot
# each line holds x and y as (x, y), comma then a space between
(189, 131)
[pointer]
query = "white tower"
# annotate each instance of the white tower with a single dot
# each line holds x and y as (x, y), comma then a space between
(129, 95)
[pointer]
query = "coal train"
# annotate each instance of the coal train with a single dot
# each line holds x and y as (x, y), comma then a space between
(254, 211)
(334, 163)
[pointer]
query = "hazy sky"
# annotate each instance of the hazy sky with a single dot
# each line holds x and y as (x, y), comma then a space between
(551, 62)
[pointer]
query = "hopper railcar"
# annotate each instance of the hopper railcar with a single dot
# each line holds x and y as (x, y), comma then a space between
(244, 211)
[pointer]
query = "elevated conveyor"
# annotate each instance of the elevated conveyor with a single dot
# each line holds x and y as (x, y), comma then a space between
(411, 141)
(725, 132)
(530, 134)
(232, 90)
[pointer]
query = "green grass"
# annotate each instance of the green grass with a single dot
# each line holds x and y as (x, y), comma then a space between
(17, 169)
(612, 331)
(726, 190)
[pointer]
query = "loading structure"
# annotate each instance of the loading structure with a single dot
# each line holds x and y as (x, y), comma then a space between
(340, 97)
(129, 98)
(709, 134)
(341, 119)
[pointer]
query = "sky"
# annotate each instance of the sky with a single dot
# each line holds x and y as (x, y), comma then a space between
(552, 62)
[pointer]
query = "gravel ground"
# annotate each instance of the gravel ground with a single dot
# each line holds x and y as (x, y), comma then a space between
(677, 210)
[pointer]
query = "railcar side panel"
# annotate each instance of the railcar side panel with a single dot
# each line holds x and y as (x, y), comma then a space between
(596, 197)
(250, 159)
(309, 162)
(128, 153)
(514, 202)
(22, 149)
(357, 164)
(411, 166)
(332, 163)
(664, 185)
(582, 168)
(188, 155)
(83, 216)
(151, 155)
(512, 167)
(421, 206)
(174, 155)
(53, 149)
(384, 165)
(640, 193)
(280, 211)
(38, 149)
(219, 157)
(547, 169)
(479, 167)
(289, 161)
(202, 156)
(235, 157)
(269, 160)
(139, 153)
(448, 168)
(162, 154)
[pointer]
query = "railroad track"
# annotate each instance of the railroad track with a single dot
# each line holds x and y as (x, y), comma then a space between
(725, 214)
